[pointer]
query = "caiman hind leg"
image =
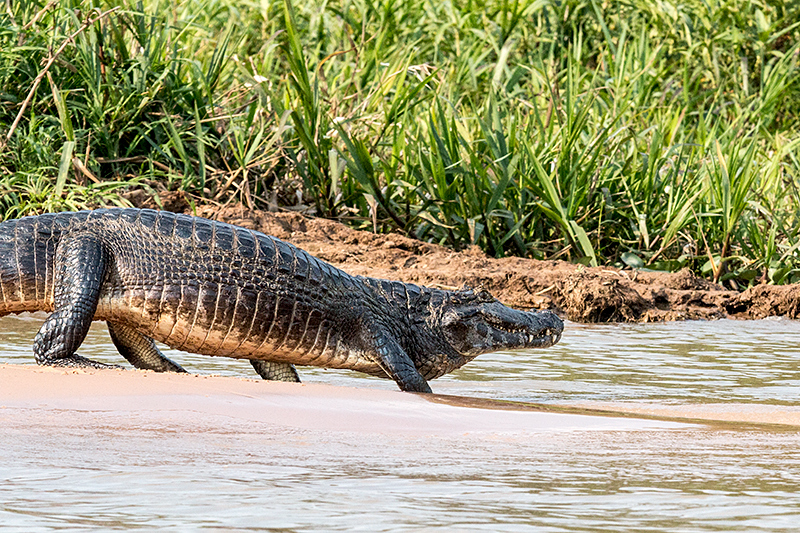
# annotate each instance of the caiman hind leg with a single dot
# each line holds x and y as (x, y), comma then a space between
(275, 371)
(80, 266)
(140, 350)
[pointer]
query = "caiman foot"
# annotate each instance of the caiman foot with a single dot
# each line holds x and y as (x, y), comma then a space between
(275, 371)
(75, 361)
(140, 350)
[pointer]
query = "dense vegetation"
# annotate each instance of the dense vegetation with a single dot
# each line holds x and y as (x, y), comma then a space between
(656, 133)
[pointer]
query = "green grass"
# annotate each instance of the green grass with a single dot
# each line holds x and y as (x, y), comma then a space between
(659, 135)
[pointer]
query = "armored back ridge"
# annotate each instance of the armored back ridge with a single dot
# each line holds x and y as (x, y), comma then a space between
(212, 288)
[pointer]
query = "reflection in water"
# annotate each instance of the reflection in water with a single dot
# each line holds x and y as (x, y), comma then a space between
(221, 476)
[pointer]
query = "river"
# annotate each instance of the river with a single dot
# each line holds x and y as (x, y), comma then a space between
(656, 474)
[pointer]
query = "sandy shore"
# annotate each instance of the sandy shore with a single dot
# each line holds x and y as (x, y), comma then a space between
(192, 400)
(31, 393)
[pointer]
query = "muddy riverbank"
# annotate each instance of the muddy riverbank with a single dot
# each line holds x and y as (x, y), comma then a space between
(582, 294)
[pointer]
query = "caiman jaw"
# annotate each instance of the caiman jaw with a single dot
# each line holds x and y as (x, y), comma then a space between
(490, 326)
(542, 330)
(547, 338)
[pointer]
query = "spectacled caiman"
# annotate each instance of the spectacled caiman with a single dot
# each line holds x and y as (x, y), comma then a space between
(216, 289)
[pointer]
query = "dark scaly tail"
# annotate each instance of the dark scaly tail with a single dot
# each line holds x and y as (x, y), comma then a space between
(27, 247)
(11, 298)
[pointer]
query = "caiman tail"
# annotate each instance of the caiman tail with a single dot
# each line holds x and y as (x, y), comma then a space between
(25, 253)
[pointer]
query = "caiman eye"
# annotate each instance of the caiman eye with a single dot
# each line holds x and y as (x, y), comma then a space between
(485, 296)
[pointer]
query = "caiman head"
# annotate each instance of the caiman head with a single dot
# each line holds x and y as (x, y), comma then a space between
(475, 323)
(469, 323)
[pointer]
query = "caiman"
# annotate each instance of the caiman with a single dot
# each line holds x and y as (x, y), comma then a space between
(216, 289)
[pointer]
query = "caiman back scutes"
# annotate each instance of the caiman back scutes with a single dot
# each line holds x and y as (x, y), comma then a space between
(210, 288)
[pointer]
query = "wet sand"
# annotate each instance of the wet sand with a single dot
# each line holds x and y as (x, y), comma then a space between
(735, 413)
(189, 400)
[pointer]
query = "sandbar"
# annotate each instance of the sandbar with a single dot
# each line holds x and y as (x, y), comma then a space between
(31, 394)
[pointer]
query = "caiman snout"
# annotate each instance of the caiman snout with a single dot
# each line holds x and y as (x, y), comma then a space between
(491, 326)
(549, 327)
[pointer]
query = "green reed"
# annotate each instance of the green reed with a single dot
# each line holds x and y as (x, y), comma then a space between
(657, 135)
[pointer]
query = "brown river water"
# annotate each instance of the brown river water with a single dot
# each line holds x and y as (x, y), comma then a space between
(717, 447)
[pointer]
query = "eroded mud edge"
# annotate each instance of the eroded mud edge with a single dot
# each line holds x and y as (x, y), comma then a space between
(581, 294)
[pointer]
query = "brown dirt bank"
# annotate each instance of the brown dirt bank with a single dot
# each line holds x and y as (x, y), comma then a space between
(599, 294)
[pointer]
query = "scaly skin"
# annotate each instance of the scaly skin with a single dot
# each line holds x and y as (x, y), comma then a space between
(216, 289)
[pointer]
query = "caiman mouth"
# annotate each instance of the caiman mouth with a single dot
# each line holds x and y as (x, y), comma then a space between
(547, 338)
(534, 335)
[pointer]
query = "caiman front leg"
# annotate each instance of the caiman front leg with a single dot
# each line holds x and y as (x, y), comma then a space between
(398, 365)
(80, 266)
(275, 371)
(140, 350)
